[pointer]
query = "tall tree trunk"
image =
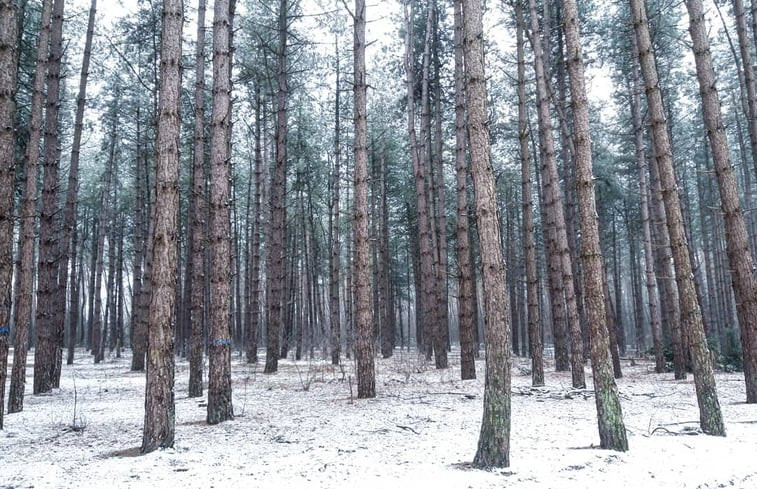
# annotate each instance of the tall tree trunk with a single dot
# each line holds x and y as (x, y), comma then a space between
(494, 438)
(612, 431)
(334, 243)
(48, 326)
(670, 303)
(277, 243)
(105, 224)
(366, 377)
(465, 286)
(254, 276)
(425, 324)
(219, 344)
(196, 215)
(710, 416)
(119, 300)
(386, 307)
(618, 288)
(75, 304)
(8, 85)
(560, 266)
(442, 258)
(68, 250)
(749, 82)
(641, 161)
(140, 275)
(25, 269)
(160, 408)
(529, 238)
(737, 240)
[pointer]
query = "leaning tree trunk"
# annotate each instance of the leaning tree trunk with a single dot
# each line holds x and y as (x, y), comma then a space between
(612, 431)
(552, 201)
(749, 77)
(160, 408)
(68, 251)
(737, 240)
(219, 342)
(8, 85)
(49, 326)
(25, 271)
(277, 243)
(529, 239)
(366, 379)
(710, 416)
(465, 286)
(196, 216)
(494, 438)
(641, 162)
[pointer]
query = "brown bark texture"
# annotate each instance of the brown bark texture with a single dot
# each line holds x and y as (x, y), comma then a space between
(641, 163)
(8, 86)
(25, 270)
(710, 416)
(219, 337)
(736, 237)
(197, 216)
(555, 231)
(465, 286)
(529, 238)
(612, 431)
(494, 439)
(49, 327)
(160, 409)
(366, 380)
(277, 242)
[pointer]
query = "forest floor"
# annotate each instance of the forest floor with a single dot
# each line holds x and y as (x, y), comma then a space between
(302, 428)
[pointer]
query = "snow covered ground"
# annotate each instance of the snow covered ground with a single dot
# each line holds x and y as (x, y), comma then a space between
(301, 428)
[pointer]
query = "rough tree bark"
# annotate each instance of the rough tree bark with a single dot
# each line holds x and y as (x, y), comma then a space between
(252, 346)
(529, 240)
(219, 337)
(465, 288)
(736, 237)
(8, 85)
(197, 211)
(562, 292)
(160, 408)
(612, 431)
(277, 243)
(494, 438)
(49, 327)
(710, 416)
(366, 379)
(68, 251)
(25, 269)
(334, 244)
(641, 162)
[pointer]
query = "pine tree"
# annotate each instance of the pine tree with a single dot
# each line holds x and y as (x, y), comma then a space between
(612, 431)
(736, 237)
(494, 439)
(366, 379)
(159, 426)
(8, 85)
(710, 416)
(465, 288)
(219, 373)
